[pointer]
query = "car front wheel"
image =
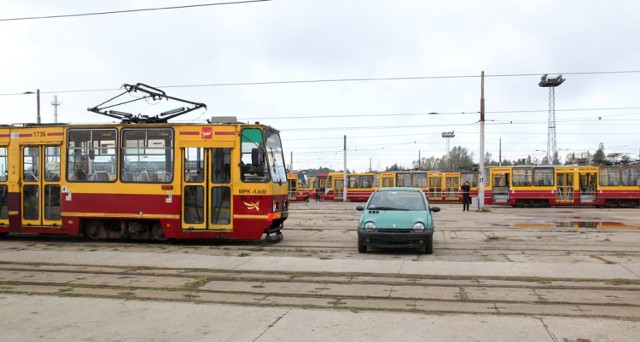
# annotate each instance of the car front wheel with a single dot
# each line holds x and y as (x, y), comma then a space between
(362, 248)
(428, 248)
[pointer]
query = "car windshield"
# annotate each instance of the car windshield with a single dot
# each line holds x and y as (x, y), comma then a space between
(396, 200)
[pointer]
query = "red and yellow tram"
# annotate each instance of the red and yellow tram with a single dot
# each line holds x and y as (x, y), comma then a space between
(300, 187)
(566, 185)
(143, 181)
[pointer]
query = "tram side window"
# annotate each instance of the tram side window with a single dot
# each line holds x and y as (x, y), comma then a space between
(4, 169)
(419, 180)
(630, 176)
(253, 166)
(403, 179)
(366, 182)
(522, 177)
(52, 164)
(376, 180)
(91, 155)
(220, 166)
(147, 155)
(353, 182)
(469, 177)
(543, 176)
(609, 176)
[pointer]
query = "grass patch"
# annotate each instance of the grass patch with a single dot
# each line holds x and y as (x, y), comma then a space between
(196, 283)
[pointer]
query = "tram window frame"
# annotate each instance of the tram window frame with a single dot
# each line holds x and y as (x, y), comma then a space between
(376, 180)
(275, 156)
(403, 179)
(630, 176)
(419, 180)
(522, 176)
(138, 143)
(220, 166)
(609, 176)
(253, 164)
(4, 163)
(84, 145)
(543, 176)
(470, 177)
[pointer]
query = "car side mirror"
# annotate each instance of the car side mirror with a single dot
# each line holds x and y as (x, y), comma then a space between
(359, 208)
(435, 209)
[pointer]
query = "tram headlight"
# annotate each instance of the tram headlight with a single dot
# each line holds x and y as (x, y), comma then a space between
(370, 226)
(418, 227)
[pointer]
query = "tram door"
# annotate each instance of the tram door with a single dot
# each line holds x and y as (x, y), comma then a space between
(500, 182)
(387, 181)
(338, 189)
(564, 187)
(435, 187)
(4, 187)
(40, 186)
(206, 189)
(588, 186)
(293, 188)
(452, 185)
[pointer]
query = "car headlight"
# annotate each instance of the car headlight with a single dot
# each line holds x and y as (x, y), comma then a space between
(418, 227)
(369, 226)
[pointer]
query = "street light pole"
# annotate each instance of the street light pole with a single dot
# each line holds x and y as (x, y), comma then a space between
(37, 103)
(38, 100)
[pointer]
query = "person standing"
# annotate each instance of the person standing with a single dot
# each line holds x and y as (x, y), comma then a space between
(466, 199)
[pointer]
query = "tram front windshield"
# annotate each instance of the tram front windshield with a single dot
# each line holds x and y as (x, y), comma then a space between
(276, 157)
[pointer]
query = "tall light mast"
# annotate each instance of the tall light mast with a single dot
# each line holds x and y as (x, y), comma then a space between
(551, 83)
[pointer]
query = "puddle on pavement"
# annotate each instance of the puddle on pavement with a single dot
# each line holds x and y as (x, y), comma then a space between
(578, 224)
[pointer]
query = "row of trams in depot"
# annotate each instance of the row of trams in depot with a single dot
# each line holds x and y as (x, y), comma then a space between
(517, 186)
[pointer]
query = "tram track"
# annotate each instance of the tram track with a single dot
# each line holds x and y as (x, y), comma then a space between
(331, 290)
(291, 246)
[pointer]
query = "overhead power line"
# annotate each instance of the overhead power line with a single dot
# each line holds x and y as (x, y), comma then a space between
(131, 10)
(330, 80)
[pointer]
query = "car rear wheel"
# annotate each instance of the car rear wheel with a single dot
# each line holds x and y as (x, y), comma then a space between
(362, 248)
(428, 248)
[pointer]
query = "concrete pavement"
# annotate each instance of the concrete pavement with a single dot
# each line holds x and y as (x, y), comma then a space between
(56, 318)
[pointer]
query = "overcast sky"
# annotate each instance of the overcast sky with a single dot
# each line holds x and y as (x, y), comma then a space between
(386, 66)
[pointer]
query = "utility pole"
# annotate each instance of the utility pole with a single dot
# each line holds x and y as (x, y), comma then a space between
(55, 105)
(291, 162)
(38, 100)
(346, 180)
(481, 178)
(500, 154)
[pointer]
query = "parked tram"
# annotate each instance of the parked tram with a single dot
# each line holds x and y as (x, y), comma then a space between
(542, 186)
(143, 181)
(300, 187)
(144, 178)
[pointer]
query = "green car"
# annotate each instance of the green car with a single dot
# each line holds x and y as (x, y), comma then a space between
(396, 217)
